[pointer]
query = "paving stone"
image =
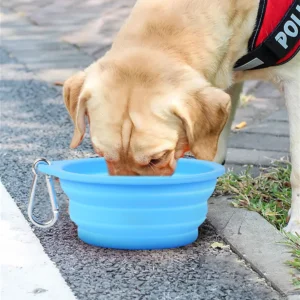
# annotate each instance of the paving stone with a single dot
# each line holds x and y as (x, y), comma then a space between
(269, 128)
(35, 31)
(280, 116)
(40, 56)
(24, 5)
(13, 18)
(250, 86)
(28, 38)
(253, 157)
(101, 30)
(58, 65)
(23, 45)
(59, 11)
(53, 61)
(266, 90)
(259, 142)
(27, 8)
(56, 74)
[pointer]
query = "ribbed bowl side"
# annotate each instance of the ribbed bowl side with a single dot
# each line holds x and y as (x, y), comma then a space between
(138, 217)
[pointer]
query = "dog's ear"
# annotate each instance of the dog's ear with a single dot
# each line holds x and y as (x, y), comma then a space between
(204, 114)
(75, 102)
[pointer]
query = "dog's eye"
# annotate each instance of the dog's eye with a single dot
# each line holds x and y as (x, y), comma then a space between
(155, 161)
(159, 159)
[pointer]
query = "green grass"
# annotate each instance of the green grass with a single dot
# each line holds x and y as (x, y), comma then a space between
(269, 194)
(293, 242)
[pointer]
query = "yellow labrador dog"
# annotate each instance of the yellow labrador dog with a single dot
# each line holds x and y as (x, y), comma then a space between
(170, 83)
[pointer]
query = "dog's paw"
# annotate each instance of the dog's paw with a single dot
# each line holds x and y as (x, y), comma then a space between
(293, 227)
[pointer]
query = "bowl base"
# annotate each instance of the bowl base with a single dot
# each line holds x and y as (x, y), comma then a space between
(135, 243)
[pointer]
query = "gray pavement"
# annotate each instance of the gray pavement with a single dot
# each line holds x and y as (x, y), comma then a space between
(46, 41)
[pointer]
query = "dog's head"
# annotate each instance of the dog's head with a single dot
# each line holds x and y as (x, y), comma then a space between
(141, 121)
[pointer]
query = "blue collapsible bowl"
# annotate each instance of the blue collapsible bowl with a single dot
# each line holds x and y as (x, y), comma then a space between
(128, 212)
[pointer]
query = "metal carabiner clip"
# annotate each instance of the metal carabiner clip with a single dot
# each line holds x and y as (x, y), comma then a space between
(52, 196)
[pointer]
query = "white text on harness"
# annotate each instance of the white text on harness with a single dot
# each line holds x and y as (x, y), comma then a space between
(290, 29)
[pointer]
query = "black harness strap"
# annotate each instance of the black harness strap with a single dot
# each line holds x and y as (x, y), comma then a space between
(271, 50)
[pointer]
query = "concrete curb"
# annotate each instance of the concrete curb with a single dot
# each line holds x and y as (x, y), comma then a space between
(256, 241)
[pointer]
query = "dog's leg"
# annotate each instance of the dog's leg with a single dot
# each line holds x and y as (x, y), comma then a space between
(292, 95)
(234, 93)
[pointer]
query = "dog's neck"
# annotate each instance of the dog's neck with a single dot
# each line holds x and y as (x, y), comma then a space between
(191, 34)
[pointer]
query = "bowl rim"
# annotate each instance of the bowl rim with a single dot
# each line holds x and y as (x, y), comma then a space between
(56, 168)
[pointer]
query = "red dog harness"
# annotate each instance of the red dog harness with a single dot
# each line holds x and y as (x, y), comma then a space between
(276, 36)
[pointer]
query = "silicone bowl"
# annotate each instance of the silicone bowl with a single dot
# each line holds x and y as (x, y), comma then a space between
(128, 212)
